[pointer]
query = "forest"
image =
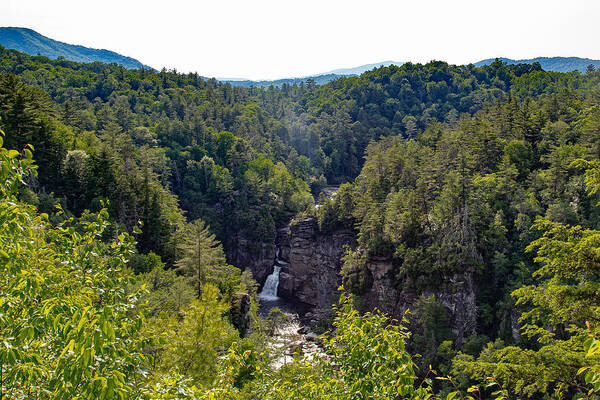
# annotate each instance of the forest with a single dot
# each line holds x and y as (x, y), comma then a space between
(129, 195)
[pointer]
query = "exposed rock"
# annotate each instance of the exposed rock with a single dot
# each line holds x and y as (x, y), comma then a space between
(515, 325)
(282, 240)
(289, 342)
(457, 294)
(303, 330)
(255, 256)
(312, 276)
(311, 337)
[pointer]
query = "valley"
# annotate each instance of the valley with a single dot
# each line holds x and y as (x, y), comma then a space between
(416, 231)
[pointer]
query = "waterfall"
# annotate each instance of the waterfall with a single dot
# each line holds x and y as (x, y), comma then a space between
(269, 290)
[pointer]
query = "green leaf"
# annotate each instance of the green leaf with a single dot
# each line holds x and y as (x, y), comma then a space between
(68, 347)
(589, 376)
(11, 356)
(452, 395)
(581, 370)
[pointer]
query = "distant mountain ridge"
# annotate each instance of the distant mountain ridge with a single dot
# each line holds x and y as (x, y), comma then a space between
(363, 68)
(31, 42)
(319, 79)
(555, 64)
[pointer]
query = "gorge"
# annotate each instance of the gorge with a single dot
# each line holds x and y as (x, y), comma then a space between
(306, 274)
(171, 215)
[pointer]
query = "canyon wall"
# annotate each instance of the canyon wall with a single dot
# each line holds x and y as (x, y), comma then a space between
(456, 293)
(248, 254)
(313, 274)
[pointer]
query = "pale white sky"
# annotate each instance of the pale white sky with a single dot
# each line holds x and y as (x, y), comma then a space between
(268, 39)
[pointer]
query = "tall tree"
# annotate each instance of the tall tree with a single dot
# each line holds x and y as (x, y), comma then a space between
(201, 253)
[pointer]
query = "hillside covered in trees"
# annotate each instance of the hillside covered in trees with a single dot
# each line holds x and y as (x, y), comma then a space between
(31, 42)
(120, 242)
(555, 64)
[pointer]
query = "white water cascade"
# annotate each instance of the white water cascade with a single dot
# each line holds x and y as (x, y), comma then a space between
(269, 290)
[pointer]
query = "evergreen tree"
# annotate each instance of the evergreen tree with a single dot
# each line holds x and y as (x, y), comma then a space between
(200, 255)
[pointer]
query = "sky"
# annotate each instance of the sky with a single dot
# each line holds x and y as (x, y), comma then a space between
(270, 39)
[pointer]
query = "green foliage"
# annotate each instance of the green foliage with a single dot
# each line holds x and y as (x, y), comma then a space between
(368, 360)
(560, 311)
(207, 142)
(64, 320)
(566, 279)
(201, 254)
(524, 373)
(592, 372)
(460, 163)
(167, 293)
(371, 353)
(141, 263)
(336, 212)
(431, 330)
(193, 345)
(519, 154)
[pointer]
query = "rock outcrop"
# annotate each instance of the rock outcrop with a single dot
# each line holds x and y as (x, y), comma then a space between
(456, 294)
(252, 255)
(312, 276)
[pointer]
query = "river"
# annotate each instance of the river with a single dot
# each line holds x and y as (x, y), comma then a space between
(290, 336)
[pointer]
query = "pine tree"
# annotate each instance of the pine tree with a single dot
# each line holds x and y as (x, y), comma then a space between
(201, 253)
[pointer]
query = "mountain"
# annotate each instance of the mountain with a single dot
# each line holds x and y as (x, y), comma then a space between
(31, 42)
(556, 64)
(363, 68)
(319, 79)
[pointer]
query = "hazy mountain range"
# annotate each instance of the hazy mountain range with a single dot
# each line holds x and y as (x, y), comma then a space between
(33, 43)
(317, 78)
(556, 64)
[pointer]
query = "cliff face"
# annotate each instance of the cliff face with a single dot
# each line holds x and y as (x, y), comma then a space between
(456, 294)
(254, 256)
(312, 275)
